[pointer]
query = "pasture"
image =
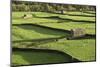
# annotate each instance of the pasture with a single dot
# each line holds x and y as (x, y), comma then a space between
(31, 56)
(81, 49)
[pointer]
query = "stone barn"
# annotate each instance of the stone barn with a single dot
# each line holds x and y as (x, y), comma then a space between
(78, 32)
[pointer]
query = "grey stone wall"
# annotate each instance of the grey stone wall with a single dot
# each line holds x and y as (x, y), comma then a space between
(78, 32)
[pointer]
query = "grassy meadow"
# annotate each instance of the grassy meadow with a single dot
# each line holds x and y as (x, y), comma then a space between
(38, 57)
(81, 49)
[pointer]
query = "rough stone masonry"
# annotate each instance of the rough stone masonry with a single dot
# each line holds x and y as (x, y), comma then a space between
(78, 32)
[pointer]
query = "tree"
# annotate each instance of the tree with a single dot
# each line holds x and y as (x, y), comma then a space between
(48, 7)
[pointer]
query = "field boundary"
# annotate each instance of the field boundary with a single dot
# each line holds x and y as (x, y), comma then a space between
(67, 31)
(44, 50)
(87, 36)
(65, 19)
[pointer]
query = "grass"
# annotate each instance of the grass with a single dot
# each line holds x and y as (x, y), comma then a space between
(41, 57)
(90, 28)
(81, 13)
(83, 49)
(34, 32)
(16, 17)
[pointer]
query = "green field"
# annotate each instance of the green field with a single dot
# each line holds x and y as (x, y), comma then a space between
(16, 17)
(38, 58)
(33, 32)
(89, 28)
(81, 49)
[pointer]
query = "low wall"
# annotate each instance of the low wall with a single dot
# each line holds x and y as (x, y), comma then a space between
(67, 31)
(68, 58)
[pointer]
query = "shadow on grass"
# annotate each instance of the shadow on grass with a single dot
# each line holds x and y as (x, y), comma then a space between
(41, 29)
(81, 15)
(87, 36)
(36, 40)
(88, 12)
(66, 19)
(47, 40)
(72, 11)
(76, 14)
(42, 56)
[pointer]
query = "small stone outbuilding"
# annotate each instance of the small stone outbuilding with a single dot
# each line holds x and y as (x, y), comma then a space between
(78, 32)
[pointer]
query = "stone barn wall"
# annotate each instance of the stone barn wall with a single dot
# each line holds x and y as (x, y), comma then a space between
(78, 32)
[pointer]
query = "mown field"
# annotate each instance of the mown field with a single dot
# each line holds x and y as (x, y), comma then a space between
(39, 57)
(89, 27)
(81, 49)
(34, 32)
